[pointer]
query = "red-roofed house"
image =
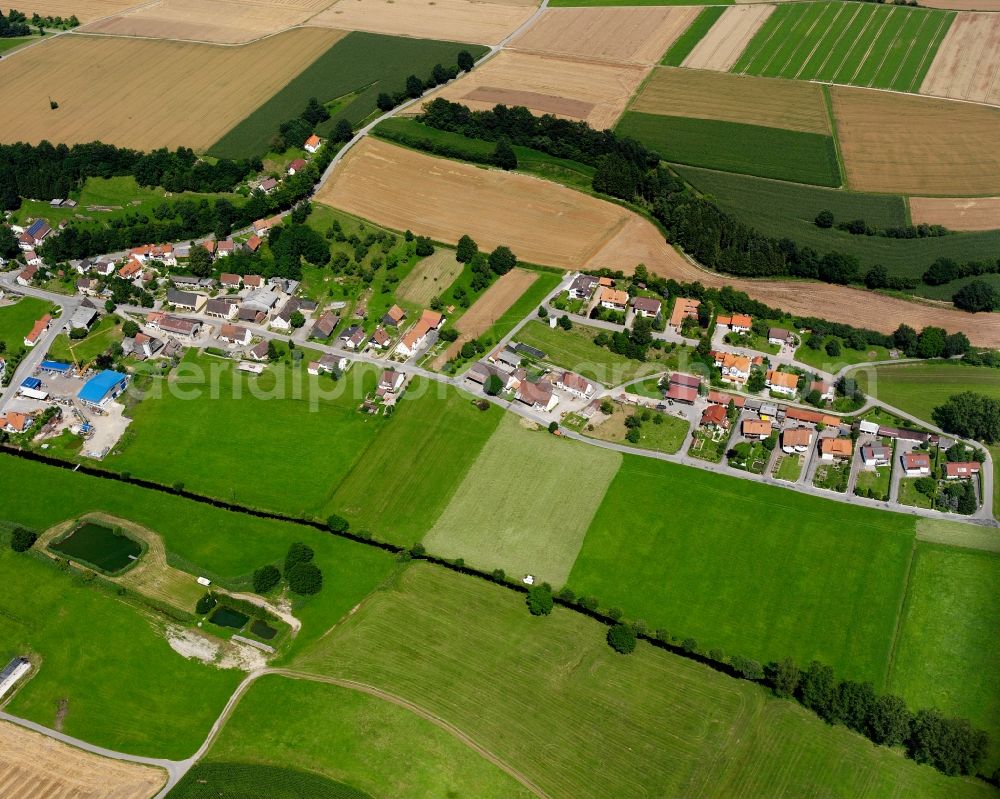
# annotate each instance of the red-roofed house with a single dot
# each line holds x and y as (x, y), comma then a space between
(130, 270)
(961, 470)
(782, 382)
(684, 308)
(576, 385)
(26, 275)
(253, 243)
(40, 327)
(715, 416)
(313, 143)
(916, 464)
(296, 166)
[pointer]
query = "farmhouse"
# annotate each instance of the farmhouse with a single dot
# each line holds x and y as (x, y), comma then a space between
(782, 382)
(263, 226)
(683, 388)
(254, 242)
(907, 435)
(129, 271)
(225, 248)
(582, 287)
(186, 300)
(647, 307)
(812, 417)
(313, 143)
(480, 372)
(874, 455)
(102, 388)
(39, 328)
(31, 258)
(267, 185)
(394, 316)
(283, 320)
(221, 309)
(26, 275)
(179, 326)
(142, 346)
(714, 416)
(87, 285)
(258, 352)
(296, 166)
(961, 470)
(684, 308)
(230, 281)
(614, 299)
(36, 233)
(796, 439)
(417, 335)
(755, 428)
(839, 448)
(778, 336)
(538, 396)
(234, 334)
(353, 337)
(576, 385)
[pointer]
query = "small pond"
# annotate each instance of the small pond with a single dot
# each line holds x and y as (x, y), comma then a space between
(263, 630)
(99, 546)
(227, 617)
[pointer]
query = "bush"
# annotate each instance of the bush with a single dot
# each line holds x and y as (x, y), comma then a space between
(265, 578)
(337, 524)
(298, 553)
(622, 639)
(539, 600)
(205, 604)
(21, 540)
(305, 578)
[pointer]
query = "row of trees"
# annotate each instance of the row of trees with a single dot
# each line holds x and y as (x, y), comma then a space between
(46, 171)
(970, 414)
(859, 227)
(415, 86)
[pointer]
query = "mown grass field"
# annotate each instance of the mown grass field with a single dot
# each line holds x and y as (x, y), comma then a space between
(226, 547)
(787, 210)
(239, 780)
(105, 333)
(351, 737)
(947, 654)
(918, 388)
(750, 569)
(882, 46)
(685, 43)
(410, 471)
(735, 147)
(820, 359)
(525, 503)
(121, 684)
(581, 721)
(17, 320)
(290, 458)
(362, 63)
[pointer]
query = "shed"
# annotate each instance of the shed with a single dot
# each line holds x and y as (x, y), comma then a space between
(31, 382)
(56, 366)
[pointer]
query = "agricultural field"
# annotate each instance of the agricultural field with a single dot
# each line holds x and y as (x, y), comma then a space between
(859, 44)
(686, 42)
(209, 780)
(411, 470)
(967, 65)
(917, 145)
(958, 534)
(734, 147)
(450, 20)
(787, 210)
(619, 35)
(93, 77)
(218, 21)
(83, 10)
(958, 213)
(719, 48)
(591, 91)
(730, 558)
(430, 278)
(454, 645)
(734, 98)
(17, 319)
(373, 743)
(35, 766)
(918, 388)
(946, 655)
(9, 44)
(346, 70)
(527, 515)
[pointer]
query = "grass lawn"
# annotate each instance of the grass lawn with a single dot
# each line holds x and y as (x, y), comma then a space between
(349, 736)
(281, 441)
(995, 454)
(685, 43)
(947, 655)
(105, 661)
(17, 320)
(650, 724)
(918, 388)
(525, 504)
(100, 338)
(575, 350)
(724, 561)
(736, 147)
(213, 780)
(908, 494)
(819, 359)
(226, 547)
(957, 534)
(789, 467)
(410, 471)
(647, 388)
(8, 44)
(876, 481)
(833, 476)
(666, 436)
(362, 64)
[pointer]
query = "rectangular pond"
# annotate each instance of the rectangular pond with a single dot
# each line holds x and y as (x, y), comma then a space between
(263, 630)
(99, 546)
(227, 617)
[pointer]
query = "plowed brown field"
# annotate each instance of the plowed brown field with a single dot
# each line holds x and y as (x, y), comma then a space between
(146, 94)
(222, 21)
(957, 213)
(794, 105)
(634, 35)
(917, 145)
(451, 20)
(34, 766)
(967, 64)
(84, 10)
(588, 90)
(728, 37)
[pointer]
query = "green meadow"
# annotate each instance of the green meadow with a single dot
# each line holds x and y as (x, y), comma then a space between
(16, 321)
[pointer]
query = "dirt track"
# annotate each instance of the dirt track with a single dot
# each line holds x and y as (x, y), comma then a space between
(967, 64)
(961, 213)
(728, 37)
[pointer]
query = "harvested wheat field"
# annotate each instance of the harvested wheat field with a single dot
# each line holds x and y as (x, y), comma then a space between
(967, 64)
(450, 20)
(493, 304)
(542, 222)
(638, 35)
(908, 144)
(957, 213)
(34, 766)
(771, 102)
(84, 10)
(146, 94)
(221, 21)
(963, 5)
(590, 91)
(433, 275)
(727, 39)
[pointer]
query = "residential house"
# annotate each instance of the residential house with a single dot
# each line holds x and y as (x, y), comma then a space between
(756, 428)
(824, 388)
(353, 337)
(776, 335)
(325, 325)
(267, 185)
(574, 384)
(614, 299)
(391, 381)
(258, 352)
(605, 282)
(647, 307)
(720, 398)
(210, 246)
(735, 368)
(32, 258)
(328, 363)
(179, 325)
(835, 448)
(142, 346)
(37, 232)
(283, 319)
(37, 330)
(738, 323)
(812, 417)
(313, 143)
(185, 281)
(582, 287)
(230, 281)
(908, 435)
(684, 308)
(961, 470)
(796, 439)
(417, 334)
(537, 395)
(87, 286)
(254, 242)
(868, 428)
(480, 372)
(221, 309)
(234, 334)
(103, 268)
(874, 455)
(26, 275)
(253, 281)
(394, 316)
(225, 248)
(714, 416)
(186, 300)
(296, 166)
(784, 383)
(380, 338)
(14, 422)
(131, 269)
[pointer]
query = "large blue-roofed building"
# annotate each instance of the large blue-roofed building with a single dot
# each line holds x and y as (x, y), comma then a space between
(103, 387)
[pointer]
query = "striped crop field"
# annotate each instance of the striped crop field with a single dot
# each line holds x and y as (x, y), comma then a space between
(859, 44)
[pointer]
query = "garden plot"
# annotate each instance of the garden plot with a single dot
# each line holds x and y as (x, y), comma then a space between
(967, 65)
(452, 20)
(590, 91)
(155, 92)
(957, 213)
(430, 278)
(727, 38)
(639, 35)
